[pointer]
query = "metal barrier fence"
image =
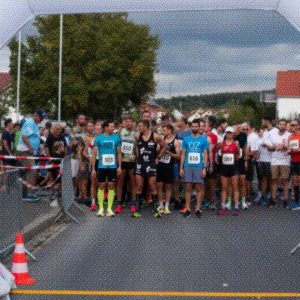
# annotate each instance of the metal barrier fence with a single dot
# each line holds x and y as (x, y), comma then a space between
(10, 208)
(68, 191)
(14, 214)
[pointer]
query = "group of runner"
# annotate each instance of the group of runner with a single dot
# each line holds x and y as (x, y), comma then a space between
(145, 161)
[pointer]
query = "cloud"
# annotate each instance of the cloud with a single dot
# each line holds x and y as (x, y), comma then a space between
(4, 59)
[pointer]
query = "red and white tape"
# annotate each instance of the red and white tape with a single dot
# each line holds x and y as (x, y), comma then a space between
(42, 167)
(40, 158)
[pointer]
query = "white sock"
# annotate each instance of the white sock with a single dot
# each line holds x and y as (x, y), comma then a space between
(167, 204)
(161, 203)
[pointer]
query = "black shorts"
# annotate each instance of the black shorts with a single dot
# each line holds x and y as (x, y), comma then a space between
(146, 170)
(250, 170)
(109, 174)
(240, 167)
(264, 169)
(228, 171)
(295, 168)
(165, 173)
(128, 165)
(214, 173)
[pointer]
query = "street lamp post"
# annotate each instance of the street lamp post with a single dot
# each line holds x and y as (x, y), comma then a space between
(60, 67)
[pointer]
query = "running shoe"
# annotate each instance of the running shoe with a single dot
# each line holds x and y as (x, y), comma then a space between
(156, 214)
(236, 212)
(295, 206)
(54, 203)
(93, 207)
(176, 205)
(167, 211)
(271, 203)
(262, 201)
(183, 210)
(198, 214)
(244, 205)
(285, 204)
(204, 205)
(187, 213)
(136, 215)
(256, 200)
(222, 212)
(133, 209)
(228, 205)
(118, 209)
(100, 213)
(31, 198)
(160, 209)
(110, 213)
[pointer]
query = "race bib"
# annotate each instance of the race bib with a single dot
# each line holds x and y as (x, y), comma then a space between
(294, 144)
(127, 148)
(228, 159)
(166, 158)
(194, 158)
(108, 159)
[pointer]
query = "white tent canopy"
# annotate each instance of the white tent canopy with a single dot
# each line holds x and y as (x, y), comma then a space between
(14, 14)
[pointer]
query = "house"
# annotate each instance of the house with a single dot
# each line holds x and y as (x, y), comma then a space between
(5, 83)
(288, 94)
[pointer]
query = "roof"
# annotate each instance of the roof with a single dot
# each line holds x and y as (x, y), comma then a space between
(288, 84)
(5, 81)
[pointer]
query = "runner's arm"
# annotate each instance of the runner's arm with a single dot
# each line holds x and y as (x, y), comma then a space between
(183, 153)
(162, 144)
(94, 156)
(119, 156)
(177, 150)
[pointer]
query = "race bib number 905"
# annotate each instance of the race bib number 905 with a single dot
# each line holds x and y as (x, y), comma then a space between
(228, 159)
(108, 159)
(194, 158)
(127, 148)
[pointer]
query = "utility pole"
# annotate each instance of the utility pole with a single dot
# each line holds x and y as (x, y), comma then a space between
(60, 67)
(19, 75)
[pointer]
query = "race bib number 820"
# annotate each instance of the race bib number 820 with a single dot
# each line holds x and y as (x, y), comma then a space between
(294, 144)
(108, 159)
(194, 158)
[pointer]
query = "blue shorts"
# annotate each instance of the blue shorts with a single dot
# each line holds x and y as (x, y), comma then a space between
(193, 175)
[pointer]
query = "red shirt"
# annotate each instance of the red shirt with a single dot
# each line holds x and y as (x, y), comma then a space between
(294, 142)
(229, 153)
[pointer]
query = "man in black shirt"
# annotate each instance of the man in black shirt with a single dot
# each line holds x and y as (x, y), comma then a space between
(7, 139)
(56, 135)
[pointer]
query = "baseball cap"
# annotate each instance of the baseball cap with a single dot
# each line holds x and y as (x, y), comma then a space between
(41, 114)
(229, 129)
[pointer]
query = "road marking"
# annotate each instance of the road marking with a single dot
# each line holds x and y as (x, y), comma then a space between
(156, 294)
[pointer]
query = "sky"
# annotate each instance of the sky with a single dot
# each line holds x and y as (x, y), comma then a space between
(216, 51)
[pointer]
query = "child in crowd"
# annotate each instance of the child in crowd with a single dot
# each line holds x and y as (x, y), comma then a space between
(52, 180)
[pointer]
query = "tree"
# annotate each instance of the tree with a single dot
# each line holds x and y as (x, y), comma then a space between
(108, 62)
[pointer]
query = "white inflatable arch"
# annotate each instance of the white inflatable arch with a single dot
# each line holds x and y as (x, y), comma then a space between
(14, 14)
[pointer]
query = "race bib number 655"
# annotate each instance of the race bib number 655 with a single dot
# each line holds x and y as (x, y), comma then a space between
(194, 158)
(108, 159)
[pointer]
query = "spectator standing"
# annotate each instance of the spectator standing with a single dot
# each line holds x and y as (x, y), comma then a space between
(29, 144)
(7, 139)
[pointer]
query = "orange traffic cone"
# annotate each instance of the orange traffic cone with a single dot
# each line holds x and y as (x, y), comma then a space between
(19, 263)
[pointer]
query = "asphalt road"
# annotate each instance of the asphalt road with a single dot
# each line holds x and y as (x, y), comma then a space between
(249, 253)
